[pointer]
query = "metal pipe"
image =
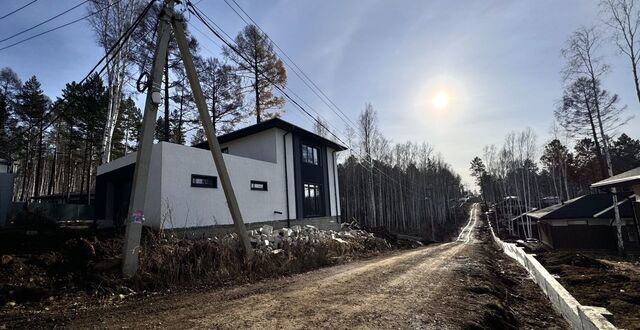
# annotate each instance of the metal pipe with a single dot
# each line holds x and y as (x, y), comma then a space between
(286, 177)
(335, 181)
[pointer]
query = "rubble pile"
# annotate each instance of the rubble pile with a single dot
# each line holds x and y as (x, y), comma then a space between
(170, 260)
(266, 238)
(167, 260)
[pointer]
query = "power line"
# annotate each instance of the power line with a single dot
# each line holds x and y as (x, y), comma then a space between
(115, 48)
(331, 105)
(60, 26)
(199, 15)
(45, 21)
(278, 87)
(17, 10)
(297, 69)
(45, 32)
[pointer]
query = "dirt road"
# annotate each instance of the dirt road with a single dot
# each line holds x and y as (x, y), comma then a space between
(463, 284)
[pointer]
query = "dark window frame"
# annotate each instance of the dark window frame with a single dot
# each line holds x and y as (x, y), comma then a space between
(310, 154)
(213, 184)
(265, 186)
(312, 205)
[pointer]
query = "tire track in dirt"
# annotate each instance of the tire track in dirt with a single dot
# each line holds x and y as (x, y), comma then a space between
(426, 288)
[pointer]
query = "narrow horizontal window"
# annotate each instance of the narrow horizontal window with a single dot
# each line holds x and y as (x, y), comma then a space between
(258, 185)
(204, 181)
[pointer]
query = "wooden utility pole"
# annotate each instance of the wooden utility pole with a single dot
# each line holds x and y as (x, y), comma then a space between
(143, 156)
(168, 20)
(214, 146)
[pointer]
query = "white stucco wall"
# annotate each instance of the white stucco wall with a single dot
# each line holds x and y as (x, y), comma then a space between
(172, 202)
(261, 146)
(186, 206)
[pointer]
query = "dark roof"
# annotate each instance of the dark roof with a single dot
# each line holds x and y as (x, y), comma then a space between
(623, 179)
(587, 206)
(268, 124)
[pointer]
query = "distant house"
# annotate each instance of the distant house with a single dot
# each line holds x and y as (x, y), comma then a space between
(279, 172)
(587, 222)
(520, 229)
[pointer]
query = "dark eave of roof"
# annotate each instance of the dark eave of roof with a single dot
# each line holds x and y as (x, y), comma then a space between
(586, 206)
(624, 179)
(268, 124)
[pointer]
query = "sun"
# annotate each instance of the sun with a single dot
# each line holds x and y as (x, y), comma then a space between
(441, 100)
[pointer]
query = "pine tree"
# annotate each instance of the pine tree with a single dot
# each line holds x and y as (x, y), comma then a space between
(32, 105)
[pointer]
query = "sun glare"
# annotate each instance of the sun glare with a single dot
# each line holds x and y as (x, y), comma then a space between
(441, 100)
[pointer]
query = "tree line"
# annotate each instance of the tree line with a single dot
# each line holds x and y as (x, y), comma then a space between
(98, 121)
(588, 119)
(404, 187)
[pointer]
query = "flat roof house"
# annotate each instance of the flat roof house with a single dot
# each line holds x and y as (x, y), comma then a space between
(587, 222)
(279, 171)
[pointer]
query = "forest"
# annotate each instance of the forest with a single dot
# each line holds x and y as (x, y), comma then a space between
(405, 187)
(56, 143)
(587, 141)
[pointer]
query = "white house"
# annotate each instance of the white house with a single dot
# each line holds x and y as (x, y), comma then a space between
(279, 171)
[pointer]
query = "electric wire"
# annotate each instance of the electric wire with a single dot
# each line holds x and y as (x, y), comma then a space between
(115, 48)
(331, 105)
(45, 21)
(297, 69)
(197, 13)
(17, 10)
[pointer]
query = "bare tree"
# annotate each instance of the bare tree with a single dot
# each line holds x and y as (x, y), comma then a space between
(623, 18)
(320, 127)
(369, 132)
(223, 92)
(583, 61)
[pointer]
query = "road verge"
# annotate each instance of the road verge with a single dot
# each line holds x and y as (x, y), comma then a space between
(579, 317)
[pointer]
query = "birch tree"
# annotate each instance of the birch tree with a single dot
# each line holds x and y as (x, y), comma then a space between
(583, 61)
(112, 19)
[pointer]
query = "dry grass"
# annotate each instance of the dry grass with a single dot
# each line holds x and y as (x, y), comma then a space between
(167, 260)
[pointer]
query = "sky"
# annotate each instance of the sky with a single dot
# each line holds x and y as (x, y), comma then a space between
(498, 61)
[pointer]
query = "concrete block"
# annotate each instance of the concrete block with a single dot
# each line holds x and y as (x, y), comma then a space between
(579, 317)
(266, 229)
(592, 318)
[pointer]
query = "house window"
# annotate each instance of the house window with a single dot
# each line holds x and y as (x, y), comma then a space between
(309, 155)
(225, 150)
(312, 200)
(204, 181)
(632, 235)
(259, 185)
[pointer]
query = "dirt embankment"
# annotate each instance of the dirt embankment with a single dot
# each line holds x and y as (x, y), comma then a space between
(513, 300)
(445, 286)
(43, 273)
(599, 279)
